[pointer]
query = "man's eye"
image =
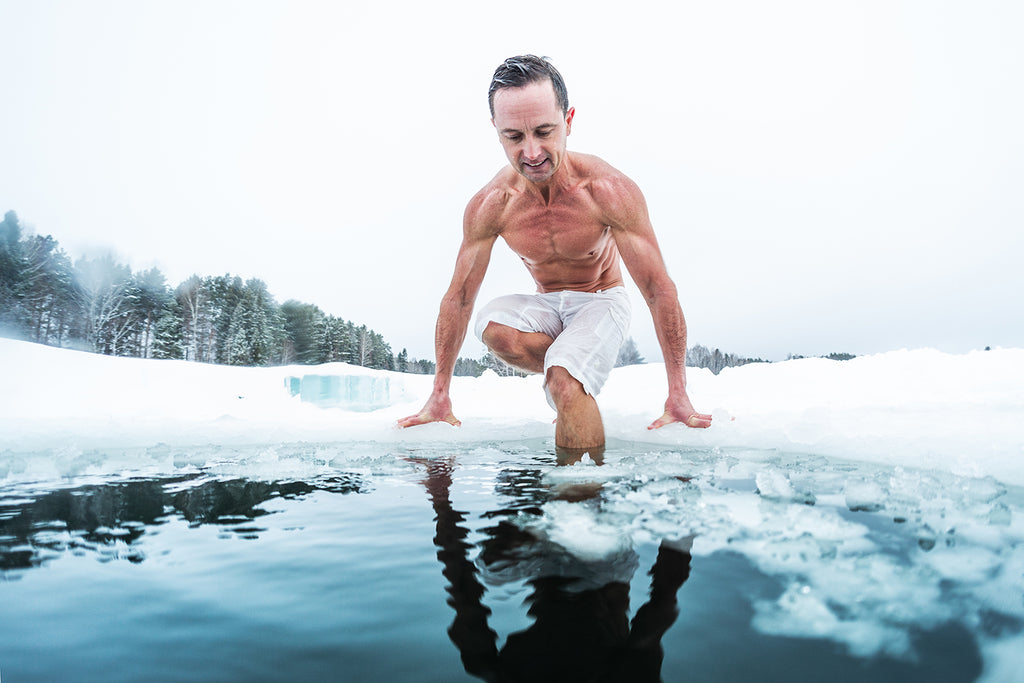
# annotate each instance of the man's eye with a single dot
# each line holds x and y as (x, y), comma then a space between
(514, 138)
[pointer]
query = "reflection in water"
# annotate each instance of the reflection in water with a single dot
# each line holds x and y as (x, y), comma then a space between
(96, 517)
(581, 630)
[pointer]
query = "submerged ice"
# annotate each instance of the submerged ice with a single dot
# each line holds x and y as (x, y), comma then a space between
(867, 556)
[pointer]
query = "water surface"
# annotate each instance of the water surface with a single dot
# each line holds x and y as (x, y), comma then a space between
(492, 562)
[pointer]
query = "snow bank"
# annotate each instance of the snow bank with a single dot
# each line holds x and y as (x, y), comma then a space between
(922, 408)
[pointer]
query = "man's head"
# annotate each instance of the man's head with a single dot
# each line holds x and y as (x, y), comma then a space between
(516, 72)
(532, 119)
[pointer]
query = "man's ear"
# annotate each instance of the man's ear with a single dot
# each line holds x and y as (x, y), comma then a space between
(568, 119)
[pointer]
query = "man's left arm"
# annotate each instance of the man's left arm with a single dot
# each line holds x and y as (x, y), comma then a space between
(626, 211)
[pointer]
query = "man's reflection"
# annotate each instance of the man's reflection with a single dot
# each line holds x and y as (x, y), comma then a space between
(580, 631)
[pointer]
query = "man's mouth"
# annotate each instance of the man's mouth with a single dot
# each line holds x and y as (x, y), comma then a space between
(536, 164)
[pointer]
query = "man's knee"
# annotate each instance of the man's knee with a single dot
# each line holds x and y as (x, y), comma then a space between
(497, 337)
(562, 386)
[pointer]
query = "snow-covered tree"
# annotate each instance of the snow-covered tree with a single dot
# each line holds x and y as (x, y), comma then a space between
(303, 325)
(107, 296)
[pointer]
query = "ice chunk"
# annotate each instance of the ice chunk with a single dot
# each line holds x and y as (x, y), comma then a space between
(777, 486)
(352, 392)
(801, 613)
(865, 496)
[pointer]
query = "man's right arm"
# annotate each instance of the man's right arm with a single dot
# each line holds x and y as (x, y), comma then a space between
(457, 307)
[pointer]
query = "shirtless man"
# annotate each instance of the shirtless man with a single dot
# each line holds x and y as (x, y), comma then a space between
(569, 217)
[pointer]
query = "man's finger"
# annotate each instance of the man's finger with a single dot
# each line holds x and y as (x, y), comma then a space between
(420, 419)
(665, 419)
(695, 420)
(410, 421)
(699, 421)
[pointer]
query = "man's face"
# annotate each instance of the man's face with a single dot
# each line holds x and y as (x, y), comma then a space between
(532, 129)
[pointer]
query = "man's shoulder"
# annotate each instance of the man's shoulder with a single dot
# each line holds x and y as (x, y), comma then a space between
(591, 165)
(489, 203)
(497, 191)
(605, 183)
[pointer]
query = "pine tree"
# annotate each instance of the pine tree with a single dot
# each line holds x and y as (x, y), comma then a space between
(253, 336)
(47, 293)
(225, 294)
(11, 268)
(169, 339)
(153, 296)
(107, 297)
(335, 341)
(302, 323)
(191, 296)
(381, 356)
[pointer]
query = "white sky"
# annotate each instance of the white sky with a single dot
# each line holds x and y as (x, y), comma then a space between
(823, 176)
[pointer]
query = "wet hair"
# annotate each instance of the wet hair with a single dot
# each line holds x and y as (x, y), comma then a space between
(515, 72)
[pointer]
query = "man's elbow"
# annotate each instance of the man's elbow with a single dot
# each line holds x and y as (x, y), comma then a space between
(660, 291)
(457, 298)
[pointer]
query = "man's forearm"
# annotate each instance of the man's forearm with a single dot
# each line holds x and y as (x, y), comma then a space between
(452, 322)
(670, 326)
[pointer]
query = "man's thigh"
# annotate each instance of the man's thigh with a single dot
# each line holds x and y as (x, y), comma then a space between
(523, 312)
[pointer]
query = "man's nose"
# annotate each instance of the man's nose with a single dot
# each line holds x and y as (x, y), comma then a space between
(532, 149)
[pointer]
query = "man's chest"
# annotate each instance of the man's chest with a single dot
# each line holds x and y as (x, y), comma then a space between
(570, 230)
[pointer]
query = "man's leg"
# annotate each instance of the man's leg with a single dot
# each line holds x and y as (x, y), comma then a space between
(579, 427)
(523, 350)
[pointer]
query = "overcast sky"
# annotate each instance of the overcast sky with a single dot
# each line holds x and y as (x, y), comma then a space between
(823, 176)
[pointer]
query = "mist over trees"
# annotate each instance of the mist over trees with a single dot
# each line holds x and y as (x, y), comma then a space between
(98, 304)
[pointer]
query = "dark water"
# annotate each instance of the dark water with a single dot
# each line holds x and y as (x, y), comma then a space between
(372, 563)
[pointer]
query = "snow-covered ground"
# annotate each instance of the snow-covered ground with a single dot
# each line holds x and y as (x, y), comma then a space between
(963, 414)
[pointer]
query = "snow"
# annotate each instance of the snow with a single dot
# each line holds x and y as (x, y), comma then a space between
(917, 408)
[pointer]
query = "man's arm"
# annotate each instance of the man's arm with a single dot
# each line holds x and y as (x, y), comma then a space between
(626, 212)
(457, 309)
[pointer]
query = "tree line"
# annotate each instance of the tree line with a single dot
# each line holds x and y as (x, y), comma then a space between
(101, 305)
(701, 357)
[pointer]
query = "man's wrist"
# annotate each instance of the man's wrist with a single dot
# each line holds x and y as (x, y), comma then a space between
(676, 384)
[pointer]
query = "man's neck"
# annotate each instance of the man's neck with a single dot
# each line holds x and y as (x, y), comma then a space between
(549, 189)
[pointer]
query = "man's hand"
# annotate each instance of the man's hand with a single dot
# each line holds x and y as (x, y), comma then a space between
(437, 409)
(681, 410)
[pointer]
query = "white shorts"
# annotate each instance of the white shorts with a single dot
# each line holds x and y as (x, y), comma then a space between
(588, 328)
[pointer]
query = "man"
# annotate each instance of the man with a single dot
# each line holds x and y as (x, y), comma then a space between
(569, 217)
